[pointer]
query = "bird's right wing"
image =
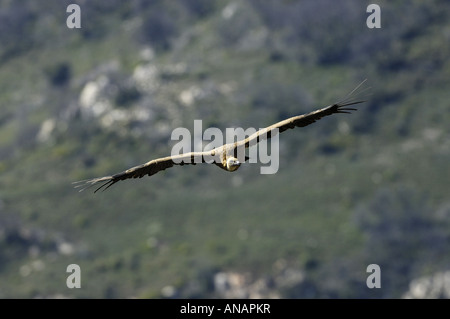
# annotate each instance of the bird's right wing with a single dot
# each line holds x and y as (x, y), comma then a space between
(149, 168)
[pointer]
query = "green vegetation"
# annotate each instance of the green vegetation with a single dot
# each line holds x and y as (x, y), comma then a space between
(352, 190)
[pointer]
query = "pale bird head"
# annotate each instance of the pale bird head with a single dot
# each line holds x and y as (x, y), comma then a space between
(233, 164)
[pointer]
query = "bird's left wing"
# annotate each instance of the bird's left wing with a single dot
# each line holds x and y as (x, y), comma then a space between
(307, 119)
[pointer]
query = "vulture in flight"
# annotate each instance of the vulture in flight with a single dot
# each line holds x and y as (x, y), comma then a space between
(226, 155)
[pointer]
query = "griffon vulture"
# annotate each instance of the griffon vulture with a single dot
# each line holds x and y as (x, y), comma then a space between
(226, 154)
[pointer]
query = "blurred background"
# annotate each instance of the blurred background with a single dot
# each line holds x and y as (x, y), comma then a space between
(351, 190)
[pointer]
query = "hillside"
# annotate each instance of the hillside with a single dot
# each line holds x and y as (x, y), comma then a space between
(351, 190)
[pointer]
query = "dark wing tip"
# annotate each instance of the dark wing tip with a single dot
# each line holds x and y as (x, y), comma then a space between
(88, 183)
(356, 96)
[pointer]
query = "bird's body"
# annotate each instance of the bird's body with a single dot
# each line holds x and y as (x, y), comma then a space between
(225, 156)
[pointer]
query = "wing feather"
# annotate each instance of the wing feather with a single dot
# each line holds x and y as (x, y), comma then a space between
(352, 98)
(150, 168)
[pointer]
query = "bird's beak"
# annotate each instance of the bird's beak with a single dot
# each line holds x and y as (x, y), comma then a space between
(237, 163)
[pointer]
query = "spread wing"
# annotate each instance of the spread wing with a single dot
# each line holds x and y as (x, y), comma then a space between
(352, 98)
(149, 168)
(160, 164)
